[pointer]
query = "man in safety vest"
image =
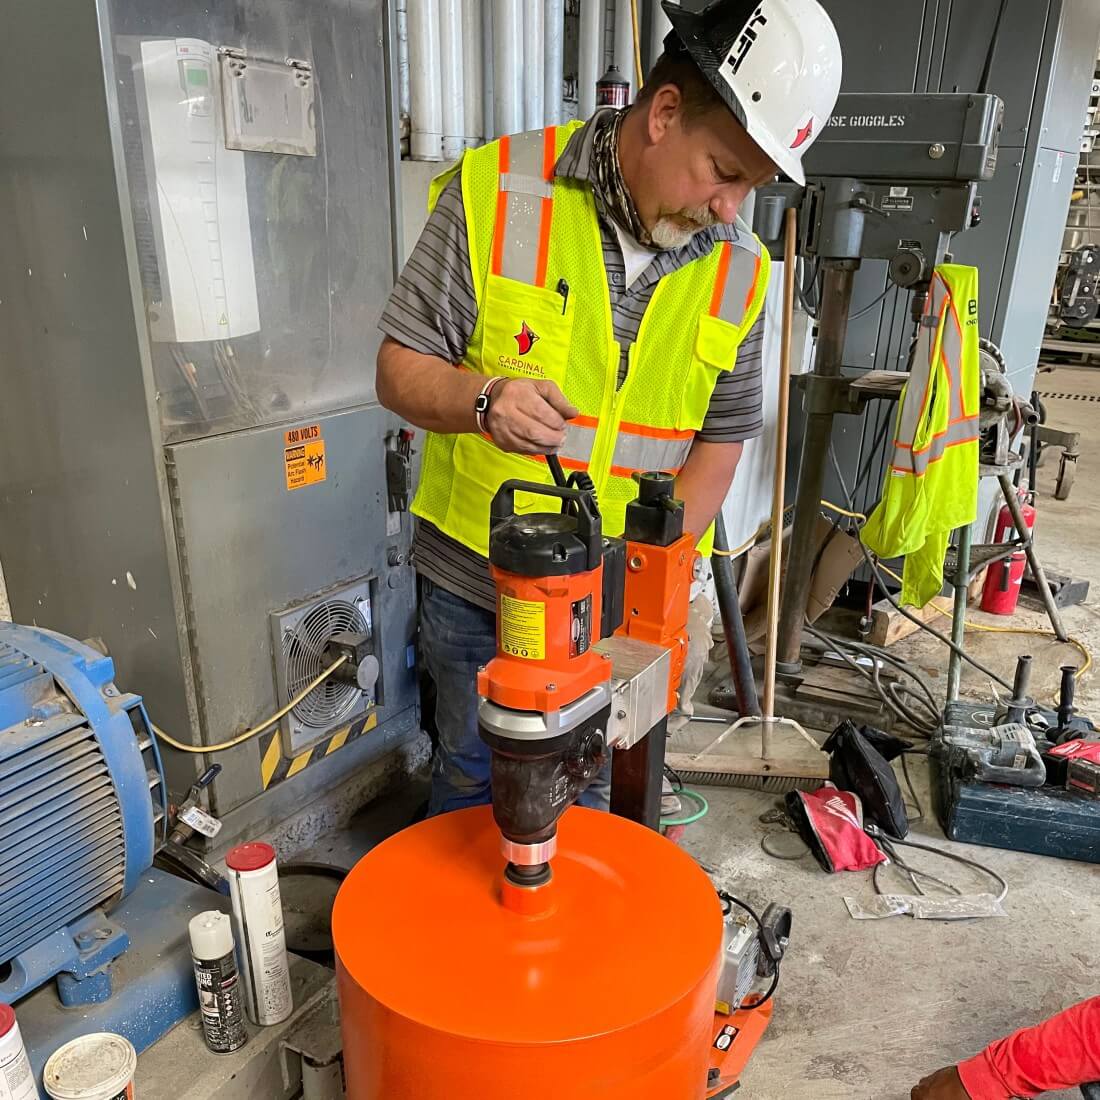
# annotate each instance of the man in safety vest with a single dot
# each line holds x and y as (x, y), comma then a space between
(587, 290)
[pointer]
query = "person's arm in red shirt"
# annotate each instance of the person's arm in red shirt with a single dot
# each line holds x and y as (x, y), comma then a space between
(1062, 1053)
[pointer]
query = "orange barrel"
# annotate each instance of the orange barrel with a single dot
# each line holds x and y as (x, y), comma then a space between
(607, 994)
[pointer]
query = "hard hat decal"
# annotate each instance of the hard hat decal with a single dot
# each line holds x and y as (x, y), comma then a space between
(526, 338)
(747, 40)
(803, 133)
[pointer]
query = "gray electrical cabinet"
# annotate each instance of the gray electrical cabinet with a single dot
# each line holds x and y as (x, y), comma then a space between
(1041, 65)
(197, 204)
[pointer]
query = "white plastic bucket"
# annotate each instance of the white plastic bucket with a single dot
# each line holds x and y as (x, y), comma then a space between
(94, 1067)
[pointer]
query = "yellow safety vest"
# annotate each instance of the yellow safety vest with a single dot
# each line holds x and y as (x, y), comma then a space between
(544, 311)
(931, 485)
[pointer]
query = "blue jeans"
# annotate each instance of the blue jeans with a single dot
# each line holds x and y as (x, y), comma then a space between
(456, 639)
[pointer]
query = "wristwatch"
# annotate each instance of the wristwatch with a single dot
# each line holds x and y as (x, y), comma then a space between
(484, 399)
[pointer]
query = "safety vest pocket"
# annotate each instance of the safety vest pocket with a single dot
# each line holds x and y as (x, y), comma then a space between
(526, 330)
(480, 468)
(714, 351)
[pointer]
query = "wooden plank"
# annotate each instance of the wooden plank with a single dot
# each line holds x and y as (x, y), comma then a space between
(889, 625)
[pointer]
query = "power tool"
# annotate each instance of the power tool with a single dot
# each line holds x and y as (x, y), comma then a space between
(546, 695)
(591, 641)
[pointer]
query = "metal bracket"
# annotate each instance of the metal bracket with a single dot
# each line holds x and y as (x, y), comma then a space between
(314, 1054)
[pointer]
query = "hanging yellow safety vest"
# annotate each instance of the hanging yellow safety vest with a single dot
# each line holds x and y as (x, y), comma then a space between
(544, 311)
(931, 485)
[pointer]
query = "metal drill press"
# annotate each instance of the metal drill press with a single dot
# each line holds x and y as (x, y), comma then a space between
(893, 177)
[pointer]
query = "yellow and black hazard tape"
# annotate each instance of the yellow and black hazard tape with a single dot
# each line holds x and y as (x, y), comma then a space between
(275, 767)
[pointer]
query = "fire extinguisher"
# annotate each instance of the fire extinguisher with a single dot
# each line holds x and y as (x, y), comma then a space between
(1002, 583)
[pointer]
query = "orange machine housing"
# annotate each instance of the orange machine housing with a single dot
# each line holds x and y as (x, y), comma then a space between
(605, 992)
(658, 598)
(545, 658)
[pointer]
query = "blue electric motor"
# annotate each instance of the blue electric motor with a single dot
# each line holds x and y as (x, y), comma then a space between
(82, 798)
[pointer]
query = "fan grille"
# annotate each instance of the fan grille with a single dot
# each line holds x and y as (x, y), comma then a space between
(303, 661)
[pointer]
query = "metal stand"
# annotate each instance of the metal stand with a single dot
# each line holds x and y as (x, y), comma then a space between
(970, 559)
(821, 404)
(733, 625)
(636, 775)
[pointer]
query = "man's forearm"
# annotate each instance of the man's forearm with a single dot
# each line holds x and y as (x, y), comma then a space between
(1062, 1053)
(704, 482)
(428, 392)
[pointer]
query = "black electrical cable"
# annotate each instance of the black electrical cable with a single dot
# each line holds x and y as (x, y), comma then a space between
(888, 842)
(867, 308)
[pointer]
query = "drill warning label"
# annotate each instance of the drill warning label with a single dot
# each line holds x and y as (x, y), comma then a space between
(304, 456)
(523, 628)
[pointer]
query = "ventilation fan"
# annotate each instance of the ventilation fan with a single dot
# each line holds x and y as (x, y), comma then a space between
(304, 639)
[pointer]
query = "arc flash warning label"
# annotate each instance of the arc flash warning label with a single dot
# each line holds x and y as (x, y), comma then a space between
(304, 456)
(523, 628)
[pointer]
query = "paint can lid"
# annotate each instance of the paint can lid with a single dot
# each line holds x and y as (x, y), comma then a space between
(92, 1067)
(7, 1019)
(254, 856)
(211, 935)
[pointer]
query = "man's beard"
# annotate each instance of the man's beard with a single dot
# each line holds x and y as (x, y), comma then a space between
(676, 230)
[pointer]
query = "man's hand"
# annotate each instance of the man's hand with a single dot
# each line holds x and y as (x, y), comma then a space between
(528, 417)
(944, 1084)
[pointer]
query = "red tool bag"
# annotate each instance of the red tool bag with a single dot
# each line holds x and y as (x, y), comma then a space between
(830, 821)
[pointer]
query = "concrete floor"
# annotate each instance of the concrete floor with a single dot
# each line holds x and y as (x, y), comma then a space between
(867, 1008)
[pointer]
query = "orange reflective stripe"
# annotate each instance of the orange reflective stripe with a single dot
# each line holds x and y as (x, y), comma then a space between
(549, 159)
(656, 433)
(752, 289)
(630, 428)
(720, 278)
(502, 206)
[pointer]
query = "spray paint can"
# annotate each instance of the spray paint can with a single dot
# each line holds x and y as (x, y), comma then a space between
(258, 922)
(220, 1001)
(16, 1078)
(612, 90)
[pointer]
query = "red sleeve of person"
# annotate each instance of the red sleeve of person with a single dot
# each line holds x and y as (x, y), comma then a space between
(1061, 1053)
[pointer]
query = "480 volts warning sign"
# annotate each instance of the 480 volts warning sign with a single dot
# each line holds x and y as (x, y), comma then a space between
(523, 628)
(304, 456)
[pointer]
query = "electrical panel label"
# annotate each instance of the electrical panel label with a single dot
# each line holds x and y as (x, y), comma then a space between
(523, 628)
(304, 456)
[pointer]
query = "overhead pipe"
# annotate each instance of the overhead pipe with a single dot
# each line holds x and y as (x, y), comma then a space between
(488, 98)
(451, 78)
(507, 66)
(425, 92)
(403, 58)
(554, 72)
(624, 45)
(534, 63)
(473, 104)
(591, 58)
(659, 26)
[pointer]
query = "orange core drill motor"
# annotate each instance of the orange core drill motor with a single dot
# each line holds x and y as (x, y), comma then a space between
(546, 696)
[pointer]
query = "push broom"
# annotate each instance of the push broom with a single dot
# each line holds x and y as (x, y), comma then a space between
(781, 764)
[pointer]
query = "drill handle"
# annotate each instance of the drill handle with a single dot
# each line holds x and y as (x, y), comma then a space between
(589, 527)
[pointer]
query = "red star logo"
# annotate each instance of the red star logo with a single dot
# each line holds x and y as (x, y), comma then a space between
(804, 134)
(526, 338)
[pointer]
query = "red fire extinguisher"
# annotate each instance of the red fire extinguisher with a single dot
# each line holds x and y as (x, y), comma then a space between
(1002, 583)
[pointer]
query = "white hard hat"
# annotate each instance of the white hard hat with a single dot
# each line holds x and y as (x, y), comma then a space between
(775, 63)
